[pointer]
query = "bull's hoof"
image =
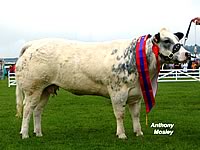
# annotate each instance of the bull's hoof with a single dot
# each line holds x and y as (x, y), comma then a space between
(122, 136)
(25, 136)
(139, 133)
(38, 134)
(18, 115)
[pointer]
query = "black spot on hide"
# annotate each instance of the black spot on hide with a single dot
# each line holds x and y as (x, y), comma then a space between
(127, 64)
(114, 51)
(119, 57)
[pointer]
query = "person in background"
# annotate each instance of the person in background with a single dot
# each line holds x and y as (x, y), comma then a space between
(196, 20)
(190, 65)
(198, 63)
(177, 66)
(12, 69)
(194, 65)
(184, 66)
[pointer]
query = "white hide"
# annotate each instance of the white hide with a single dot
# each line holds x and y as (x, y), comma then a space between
(107, 69)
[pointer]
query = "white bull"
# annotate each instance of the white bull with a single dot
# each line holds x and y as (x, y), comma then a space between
(107, 69)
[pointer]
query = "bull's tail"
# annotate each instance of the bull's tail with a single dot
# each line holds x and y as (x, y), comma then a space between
(19, 101)
(25, 47)
(19, 92)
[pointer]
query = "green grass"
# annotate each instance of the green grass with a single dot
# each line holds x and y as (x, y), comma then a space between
(88, 122)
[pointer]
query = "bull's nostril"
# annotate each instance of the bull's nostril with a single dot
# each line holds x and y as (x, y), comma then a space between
(170, 56)
(188, 55)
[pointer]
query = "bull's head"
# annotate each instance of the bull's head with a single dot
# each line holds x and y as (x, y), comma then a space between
(170, 49)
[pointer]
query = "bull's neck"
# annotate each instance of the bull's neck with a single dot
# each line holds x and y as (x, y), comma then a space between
(127, 61)
(130, 56)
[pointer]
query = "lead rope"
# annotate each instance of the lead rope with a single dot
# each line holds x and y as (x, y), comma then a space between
(195, 34)
(187, 33)
(195, 38)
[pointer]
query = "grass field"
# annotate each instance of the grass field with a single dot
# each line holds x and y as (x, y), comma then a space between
(88, 122)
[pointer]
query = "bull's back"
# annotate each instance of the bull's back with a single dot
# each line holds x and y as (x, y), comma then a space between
(75, 66)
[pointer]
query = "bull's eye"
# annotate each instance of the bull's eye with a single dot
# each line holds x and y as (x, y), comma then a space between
(167, 41)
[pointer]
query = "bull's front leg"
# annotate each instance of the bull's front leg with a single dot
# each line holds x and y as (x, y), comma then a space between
(119, 111)
(119, 102)
(134, 109)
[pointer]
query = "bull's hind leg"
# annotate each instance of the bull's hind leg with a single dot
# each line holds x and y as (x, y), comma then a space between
(31, 101)
(38, 112)
(134, 109)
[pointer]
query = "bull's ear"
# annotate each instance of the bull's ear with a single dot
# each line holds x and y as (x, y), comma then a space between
(179, 35)
(156, 38)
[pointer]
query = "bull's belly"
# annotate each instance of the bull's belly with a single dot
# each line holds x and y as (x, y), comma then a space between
(87, 92)
(84, 87)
